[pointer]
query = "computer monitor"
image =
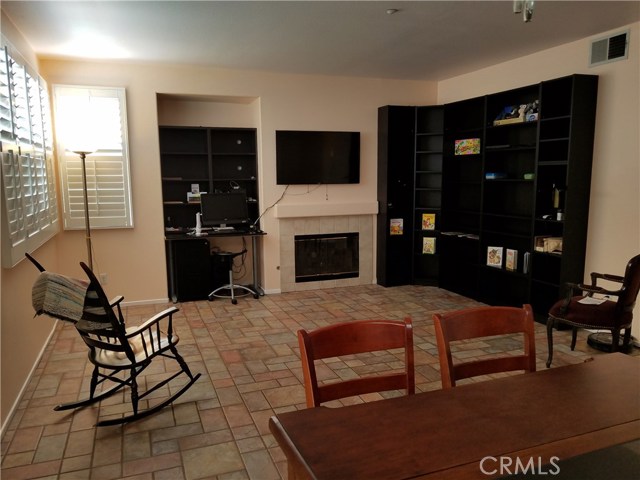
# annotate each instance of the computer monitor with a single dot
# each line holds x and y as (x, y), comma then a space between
(224, 209)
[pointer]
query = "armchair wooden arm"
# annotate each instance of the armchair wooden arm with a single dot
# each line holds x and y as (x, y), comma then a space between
(605, 276)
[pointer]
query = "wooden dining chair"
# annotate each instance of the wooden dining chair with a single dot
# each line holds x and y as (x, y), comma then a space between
(484, 322)
(351, 338)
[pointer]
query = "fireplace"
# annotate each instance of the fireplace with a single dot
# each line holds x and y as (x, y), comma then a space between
(326, 256)
(332, 225)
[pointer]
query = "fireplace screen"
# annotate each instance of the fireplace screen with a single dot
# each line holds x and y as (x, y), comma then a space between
(326, 257)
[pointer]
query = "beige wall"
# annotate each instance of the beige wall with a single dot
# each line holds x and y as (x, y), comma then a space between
(614, 212)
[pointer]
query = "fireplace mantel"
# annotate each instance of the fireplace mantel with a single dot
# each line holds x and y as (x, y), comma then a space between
(325, 209)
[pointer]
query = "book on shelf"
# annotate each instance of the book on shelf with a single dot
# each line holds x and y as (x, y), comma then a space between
(508, 121)
(396, 226)
(494, 256)
(428, 245)
(526, 262)
(428, 221)
(511, 260)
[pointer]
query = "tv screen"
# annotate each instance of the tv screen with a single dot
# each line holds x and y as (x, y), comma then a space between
(307, 158)
(224, 209)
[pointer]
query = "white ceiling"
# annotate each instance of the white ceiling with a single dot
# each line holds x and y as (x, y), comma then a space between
(424, 40)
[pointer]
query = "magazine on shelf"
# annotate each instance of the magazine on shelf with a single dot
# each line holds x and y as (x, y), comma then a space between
(428, 245)
(428, 221)
(467, 146)
(396, 226)
(511, 260)
(494, 256)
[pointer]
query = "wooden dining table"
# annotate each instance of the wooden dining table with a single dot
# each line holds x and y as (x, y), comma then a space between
(479, 430)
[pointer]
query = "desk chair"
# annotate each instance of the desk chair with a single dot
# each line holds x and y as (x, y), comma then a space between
(119, 354)
(352, 338)
(483, 322)
(227, 261)
(609, 315)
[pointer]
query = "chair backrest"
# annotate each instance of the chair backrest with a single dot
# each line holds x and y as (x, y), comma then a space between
(100, 326)
(351, 338)
(484, 322)
(630, 286)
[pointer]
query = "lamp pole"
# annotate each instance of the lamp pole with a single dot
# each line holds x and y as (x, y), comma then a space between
(87, 226)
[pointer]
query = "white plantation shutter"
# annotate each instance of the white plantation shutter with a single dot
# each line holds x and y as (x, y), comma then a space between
(6, 117)
(93, 119)
(29, 208)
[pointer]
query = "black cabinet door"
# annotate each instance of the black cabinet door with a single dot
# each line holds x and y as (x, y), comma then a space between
(188, 269)
(395, 195)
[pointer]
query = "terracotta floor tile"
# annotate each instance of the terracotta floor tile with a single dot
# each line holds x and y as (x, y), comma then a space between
(26, 439)
(213, 460)
(248, 357)
(151, 464)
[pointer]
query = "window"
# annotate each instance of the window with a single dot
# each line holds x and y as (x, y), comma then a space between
(29, 205)
(93, 119)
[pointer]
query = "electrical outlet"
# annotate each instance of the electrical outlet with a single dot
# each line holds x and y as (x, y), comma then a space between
(104, 278)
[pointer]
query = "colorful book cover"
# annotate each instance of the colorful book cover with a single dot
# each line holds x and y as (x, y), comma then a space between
(428, 221)
(511, 260)
(494, 256)
(429, 245)
(396, 226)
(467, 146)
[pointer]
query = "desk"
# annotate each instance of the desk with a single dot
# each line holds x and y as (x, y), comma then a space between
(186, 260)
(445, 434)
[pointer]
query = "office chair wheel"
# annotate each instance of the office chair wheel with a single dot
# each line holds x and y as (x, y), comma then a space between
(256, 296)
(234, 301)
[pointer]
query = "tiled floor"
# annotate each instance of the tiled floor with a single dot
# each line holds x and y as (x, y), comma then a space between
(248, 356)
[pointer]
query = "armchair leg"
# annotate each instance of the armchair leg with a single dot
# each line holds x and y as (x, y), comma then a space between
(574, 337)
(626, 340)
(615, 340)
(550, 323)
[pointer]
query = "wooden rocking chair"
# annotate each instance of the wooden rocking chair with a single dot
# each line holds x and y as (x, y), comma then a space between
(113, 347)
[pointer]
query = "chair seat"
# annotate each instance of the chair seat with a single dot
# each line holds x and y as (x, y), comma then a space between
(589, 315)
(110, 358)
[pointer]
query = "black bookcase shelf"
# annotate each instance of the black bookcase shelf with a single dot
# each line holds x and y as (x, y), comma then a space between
(543, 167)
(427, 202)
(213, 158)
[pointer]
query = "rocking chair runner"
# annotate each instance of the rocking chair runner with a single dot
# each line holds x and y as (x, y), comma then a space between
(113, 347)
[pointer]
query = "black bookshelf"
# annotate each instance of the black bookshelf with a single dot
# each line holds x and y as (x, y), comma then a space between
(495, 178)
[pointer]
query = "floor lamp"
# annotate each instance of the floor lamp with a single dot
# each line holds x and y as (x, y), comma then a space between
(87, 225)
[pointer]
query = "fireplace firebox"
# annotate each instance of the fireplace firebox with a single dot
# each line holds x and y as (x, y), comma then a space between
(326, 256)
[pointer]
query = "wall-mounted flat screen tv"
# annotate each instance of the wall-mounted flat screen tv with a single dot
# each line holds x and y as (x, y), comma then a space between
(308, 158)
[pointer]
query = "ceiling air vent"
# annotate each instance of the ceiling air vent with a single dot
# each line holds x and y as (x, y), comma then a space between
(610, 49)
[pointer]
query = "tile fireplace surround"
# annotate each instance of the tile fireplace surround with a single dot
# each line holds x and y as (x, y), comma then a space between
(290, 227)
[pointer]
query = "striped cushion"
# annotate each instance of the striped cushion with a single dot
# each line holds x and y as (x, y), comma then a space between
(59, 296)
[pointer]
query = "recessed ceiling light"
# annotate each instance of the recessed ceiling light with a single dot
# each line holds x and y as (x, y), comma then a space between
(391, 11)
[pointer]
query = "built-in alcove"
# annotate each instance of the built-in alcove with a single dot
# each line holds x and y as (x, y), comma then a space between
(326, 256)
